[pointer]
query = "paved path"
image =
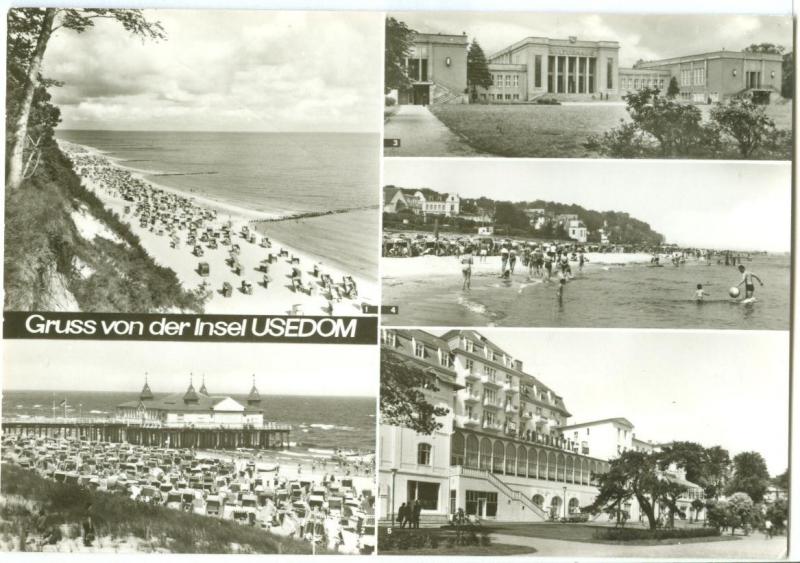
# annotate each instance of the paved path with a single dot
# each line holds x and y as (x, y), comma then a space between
(422, 134)
(750, 547)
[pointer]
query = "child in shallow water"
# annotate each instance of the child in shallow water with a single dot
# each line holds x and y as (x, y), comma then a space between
(700, 294)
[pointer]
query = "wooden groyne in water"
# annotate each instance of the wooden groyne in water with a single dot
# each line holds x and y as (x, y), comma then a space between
(269, 436)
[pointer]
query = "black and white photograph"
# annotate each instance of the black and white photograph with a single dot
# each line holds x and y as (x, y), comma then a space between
(192, 161)
(589, 243)
(583, 85)
(576, 444)
(188, 448)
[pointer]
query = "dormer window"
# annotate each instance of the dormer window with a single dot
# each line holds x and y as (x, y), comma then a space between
(419, 349)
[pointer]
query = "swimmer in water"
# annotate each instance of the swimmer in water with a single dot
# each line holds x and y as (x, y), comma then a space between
(747, 280)
(700, 294)
(562, 283)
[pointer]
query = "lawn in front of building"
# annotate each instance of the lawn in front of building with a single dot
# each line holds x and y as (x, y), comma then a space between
(583, 533)
(443, 541)
(549, 131)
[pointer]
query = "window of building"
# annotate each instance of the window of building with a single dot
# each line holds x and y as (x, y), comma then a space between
(453, 497)
(590, 76)
(635, 83)
(469, 364)
(445, 360)
(424, 454)
(537, 71)
(483, 96)
(582, 75)
(508, 96)
(551, 66)
(516, 80)
(390, 338)
(419, 350)
(609, 73)
(490, 395)
(508, 80)
(516, 96)
(490, 372)
(560, 70)
(481, 503)
(571, 62)
(425, 492)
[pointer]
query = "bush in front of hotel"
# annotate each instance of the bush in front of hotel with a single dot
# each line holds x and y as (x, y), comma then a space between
(637, 534)
(396, 539)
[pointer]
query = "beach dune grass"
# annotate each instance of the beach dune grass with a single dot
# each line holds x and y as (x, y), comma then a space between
(550, 131)
(116, 516)
(43, 249)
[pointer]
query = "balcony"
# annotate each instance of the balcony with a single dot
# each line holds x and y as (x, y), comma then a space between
(487, 380)
(513, 409)
(510, 387)
(493, 426)
(467, 421)
(527, 415)
(472, 398)
(492, 403)
(472, 376)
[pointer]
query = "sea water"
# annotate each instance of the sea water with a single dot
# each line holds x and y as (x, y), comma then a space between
(635, 296)
(317, 422)
(282, 174)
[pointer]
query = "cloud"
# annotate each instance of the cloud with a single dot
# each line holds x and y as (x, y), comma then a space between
(224, 69)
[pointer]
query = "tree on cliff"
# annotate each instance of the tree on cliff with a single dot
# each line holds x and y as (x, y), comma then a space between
(477, 69)
(29, 32)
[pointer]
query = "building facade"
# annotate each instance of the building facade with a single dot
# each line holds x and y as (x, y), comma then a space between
(425, 202)
(193, 408)
(504, 451)
(581, 70)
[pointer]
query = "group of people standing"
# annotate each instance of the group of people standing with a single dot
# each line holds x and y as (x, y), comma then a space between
(409, 514)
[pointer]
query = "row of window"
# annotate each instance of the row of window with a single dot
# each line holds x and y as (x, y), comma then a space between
(629, 83)
(499, 97)
(507, 80)
(696, 76)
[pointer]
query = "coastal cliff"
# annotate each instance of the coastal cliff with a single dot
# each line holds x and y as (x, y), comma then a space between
(66, 252)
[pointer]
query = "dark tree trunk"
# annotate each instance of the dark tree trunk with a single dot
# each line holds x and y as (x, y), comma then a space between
(20, 131)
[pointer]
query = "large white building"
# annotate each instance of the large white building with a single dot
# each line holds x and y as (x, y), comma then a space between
(425, 202)
(504, 451)
(193, 408)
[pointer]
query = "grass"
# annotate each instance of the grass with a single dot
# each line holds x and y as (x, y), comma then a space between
(541, 131)
(116, 516)
(43, 247)
(582, 533)
(494, 550)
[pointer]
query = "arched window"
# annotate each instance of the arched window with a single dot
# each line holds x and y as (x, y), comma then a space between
(457, 449)
(424, 454)
(472, 452)
(574, 506)
(551, 466)
(560, 465)
(497, 457)
(532, 458)
(522, 460)
(486, 454)
(511, 459)
(542, 464)
(555, 507)
(538, 500)
(570, 469)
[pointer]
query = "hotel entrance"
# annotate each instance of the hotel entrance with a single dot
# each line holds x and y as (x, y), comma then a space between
(420, 94)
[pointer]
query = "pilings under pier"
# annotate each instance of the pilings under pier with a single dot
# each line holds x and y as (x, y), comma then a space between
(271, 436)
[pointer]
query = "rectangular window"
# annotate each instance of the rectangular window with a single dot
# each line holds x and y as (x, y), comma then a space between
(419, 350)
(445, 360)
(562, 64)
(453, 496)
(482, 504)
(537, 71)
(508, 80)
(516, 96)
(426, 493)
(609, 73)
(508, 96)
(469, 364)
(470, 346)
(571, 66)
(423, 70)
(551, 66)
(582, 75)
(592, 64)
(516, 80)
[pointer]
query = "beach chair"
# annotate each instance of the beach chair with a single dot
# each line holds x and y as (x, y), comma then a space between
(265, 281)
(297, 285)
(227, 289)
(198, 250)
(204, 269)
(263, 266)
(247, 287)
(297, 309)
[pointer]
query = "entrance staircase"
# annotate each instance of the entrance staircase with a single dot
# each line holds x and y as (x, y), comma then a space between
(513, 495)
(443, 95)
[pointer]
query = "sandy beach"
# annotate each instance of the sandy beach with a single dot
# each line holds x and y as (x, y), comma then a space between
(422, 266)
(297, 281)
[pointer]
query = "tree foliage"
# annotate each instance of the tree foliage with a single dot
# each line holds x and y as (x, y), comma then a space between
(673, 89)
(636, 475)
(769, 48)
(745, 121)
(706, 467)
(787, 76)
(750, 476)
(29, 33)
(398, 43)
(405, 389)
(477, 69)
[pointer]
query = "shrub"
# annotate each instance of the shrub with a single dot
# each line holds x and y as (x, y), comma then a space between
(389, 101)
(486, 540)
(634, 534)
(746, 122)
(548, 102)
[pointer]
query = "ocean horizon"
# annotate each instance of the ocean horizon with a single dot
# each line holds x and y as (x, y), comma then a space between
(279, 174)
(317, 421)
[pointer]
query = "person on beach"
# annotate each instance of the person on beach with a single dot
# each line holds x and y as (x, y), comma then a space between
(562, 284)
(700, 293)
(466, 268)
(747, 280)
(548, 266)
(582, 259)
(566, 270)
(503, 260)
(512, 259)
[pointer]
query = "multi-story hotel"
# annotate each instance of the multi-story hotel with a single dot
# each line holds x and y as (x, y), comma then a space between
(504, 450)
(425, 202)
(577, 69)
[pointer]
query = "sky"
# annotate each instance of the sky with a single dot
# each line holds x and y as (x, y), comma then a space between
(280, 369)
(727, 388)
(640, 36)
(223, 71)
(710, 204)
